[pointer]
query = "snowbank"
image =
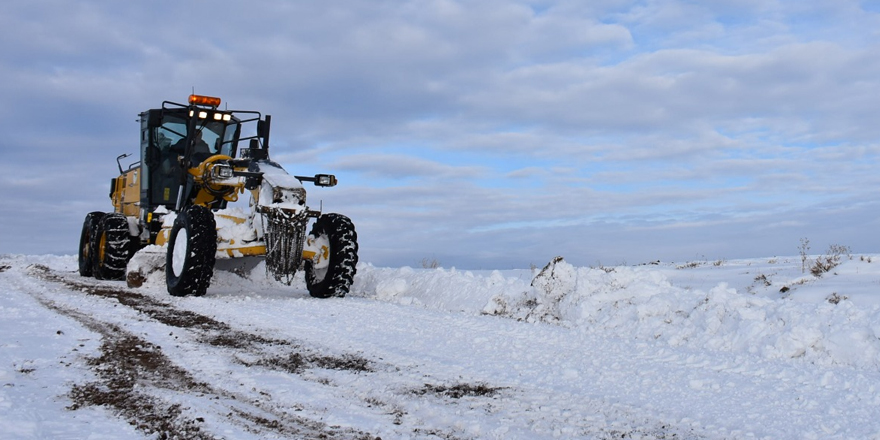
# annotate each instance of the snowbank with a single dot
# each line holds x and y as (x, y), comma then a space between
(443, 289)
(741, 349)
(641, 302)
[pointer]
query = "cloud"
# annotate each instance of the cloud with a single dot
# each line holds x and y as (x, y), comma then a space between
(386, 166)
(528, 172)
(488, 133)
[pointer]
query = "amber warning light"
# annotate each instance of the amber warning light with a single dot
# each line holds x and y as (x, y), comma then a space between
(204, 100)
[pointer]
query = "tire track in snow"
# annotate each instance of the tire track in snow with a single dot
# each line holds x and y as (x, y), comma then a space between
(130, 368)
(410, 399)
(248, 349)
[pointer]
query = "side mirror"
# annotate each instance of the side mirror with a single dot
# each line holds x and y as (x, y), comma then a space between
(154, 119)
(263, 127)
(263, 130)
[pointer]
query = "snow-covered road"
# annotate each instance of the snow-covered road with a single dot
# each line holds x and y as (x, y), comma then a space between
(646, 352)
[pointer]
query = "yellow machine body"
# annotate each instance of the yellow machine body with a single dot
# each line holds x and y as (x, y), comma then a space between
(125, 192)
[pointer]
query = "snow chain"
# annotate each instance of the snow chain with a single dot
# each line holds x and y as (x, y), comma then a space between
(284, 236)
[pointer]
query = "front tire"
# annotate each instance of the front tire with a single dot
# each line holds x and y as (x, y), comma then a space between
(192, 245)
(86, 252)
(110, 247)
(337, 231)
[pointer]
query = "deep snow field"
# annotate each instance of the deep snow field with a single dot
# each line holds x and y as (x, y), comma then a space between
(736, 349)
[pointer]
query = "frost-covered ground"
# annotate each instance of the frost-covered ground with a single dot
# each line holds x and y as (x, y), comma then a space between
(713, 349)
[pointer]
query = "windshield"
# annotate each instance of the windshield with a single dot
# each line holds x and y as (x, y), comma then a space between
(214, 137)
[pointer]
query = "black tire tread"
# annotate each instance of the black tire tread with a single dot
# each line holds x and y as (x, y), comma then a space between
(199, 265)
(86, 251)
(343, 257)
(117, 247)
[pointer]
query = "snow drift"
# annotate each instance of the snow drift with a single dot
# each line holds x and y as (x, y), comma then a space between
(641, 302)
(729, 349)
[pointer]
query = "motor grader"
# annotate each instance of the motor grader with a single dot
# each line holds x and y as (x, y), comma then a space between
(175, 202)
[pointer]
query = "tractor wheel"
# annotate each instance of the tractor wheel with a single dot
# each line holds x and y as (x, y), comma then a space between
(192, 245)
(86, 255)
(338, 233)
(110, 247)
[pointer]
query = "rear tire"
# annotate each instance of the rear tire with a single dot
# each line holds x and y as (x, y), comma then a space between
(86, 252)
(337, 277)
(110, 247)
(192, 245)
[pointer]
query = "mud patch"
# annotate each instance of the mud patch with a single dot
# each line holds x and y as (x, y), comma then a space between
(126, 366)
(162, 312)
(459, 390)
(298, 362)
(128, 359)
(145, 413)
(240, 340)
(347, 362)
(310, 430)
(129, 367)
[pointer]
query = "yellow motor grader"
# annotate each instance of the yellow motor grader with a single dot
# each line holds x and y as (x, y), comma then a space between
(174, 201)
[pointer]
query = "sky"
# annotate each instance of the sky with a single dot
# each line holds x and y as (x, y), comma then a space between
(485, 134)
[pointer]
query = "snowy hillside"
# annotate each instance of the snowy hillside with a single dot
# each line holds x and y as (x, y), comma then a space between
(709, 349)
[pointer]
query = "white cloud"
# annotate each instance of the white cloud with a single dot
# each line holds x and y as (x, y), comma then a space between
(399, 166)
(537, 126)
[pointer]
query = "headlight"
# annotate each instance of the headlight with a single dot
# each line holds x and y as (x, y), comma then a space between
(222, 171)
(325, 180)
